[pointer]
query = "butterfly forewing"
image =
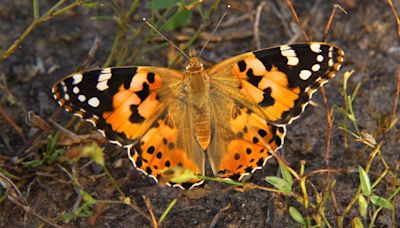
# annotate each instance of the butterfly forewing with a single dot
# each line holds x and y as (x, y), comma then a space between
(281, 80)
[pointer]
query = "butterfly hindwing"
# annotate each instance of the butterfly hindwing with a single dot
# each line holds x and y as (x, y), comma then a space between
(244, 143)
(164, 146)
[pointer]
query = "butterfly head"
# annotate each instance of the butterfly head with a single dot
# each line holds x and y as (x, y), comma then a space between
(194, 63)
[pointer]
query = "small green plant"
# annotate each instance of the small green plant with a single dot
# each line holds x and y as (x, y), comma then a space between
(83, 211)
(49, 155)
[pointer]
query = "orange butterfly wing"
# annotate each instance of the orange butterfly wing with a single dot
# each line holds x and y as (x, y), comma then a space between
(263, 91)
(136, 107)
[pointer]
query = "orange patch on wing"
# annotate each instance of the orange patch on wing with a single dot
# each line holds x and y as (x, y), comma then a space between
(119, 117)
(124, 98)
(249, 149)
(252, 92)
(141, 77)
(159, 151)
(256, 65)
(148, 106)
(283, 96)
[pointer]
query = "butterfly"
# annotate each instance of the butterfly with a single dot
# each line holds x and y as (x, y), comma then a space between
(233, 114)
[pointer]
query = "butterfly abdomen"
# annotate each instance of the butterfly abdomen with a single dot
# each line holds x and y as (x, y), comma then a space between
(202, 126)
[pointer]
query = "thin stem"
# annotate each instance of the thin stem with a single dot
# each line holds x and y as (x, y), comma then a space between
(50, 14)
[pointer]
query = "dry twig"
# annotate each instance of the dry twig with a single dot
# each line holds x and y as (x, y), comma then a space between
(395, 15)
(257, 24)
(296, 18)
(330, 20)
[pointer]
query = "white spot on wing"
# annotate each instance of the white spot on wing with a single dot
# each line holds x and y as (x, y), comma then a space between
(81, 98)
(105, 75)
(292, 61)
(94, 102)
(75, 90)
(287, 51)
(315, 67)
(77, 78)
(330, 62)
(290, 54)
(119, 144)
(102, 132)
(315, 47)
(64, 87)
(66, 96)
(102, 85)
(305, 74)
(91, 121)
(78, 115)
(320, 58)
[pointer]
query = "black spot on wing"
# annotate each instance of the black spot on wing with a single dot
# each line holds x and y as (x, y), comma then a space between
(235, 177)
(242, 65)
(148, 170)
(267, 99)
(262, 132)
(135, 116)
(150, 77)
(150, 150)
(144, 93)
(123, 76)
(278, 140)
(253, 79)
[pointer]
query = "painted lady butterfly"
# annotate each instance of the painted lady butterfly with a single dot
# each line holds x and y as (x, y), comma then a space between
(234, 113)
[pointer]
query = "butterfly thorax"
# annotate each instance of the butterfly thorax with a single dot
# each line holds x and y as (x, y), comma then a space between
(197, 81)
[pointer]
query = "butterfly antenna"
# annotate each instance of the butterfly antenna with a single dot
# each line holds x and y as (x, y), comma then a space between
(215, 29)
(165, 38)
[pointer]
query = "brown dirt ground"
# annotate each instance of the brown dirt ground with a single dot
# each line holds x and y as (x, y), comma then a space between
(367, 34)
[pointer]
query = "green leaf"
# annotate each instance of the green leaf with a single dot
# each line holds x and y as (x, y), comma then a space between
(279, 183)
(365, 182)
(32, 164)
(362, 206)
(85, 211)
(92, 5)
(382, 202)
(51, 145)
(357, 223)
(67, 217)
(296, 215)
(161, 4)
(285, 173)
(54, 156)
(180, 18)
(87, 197)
